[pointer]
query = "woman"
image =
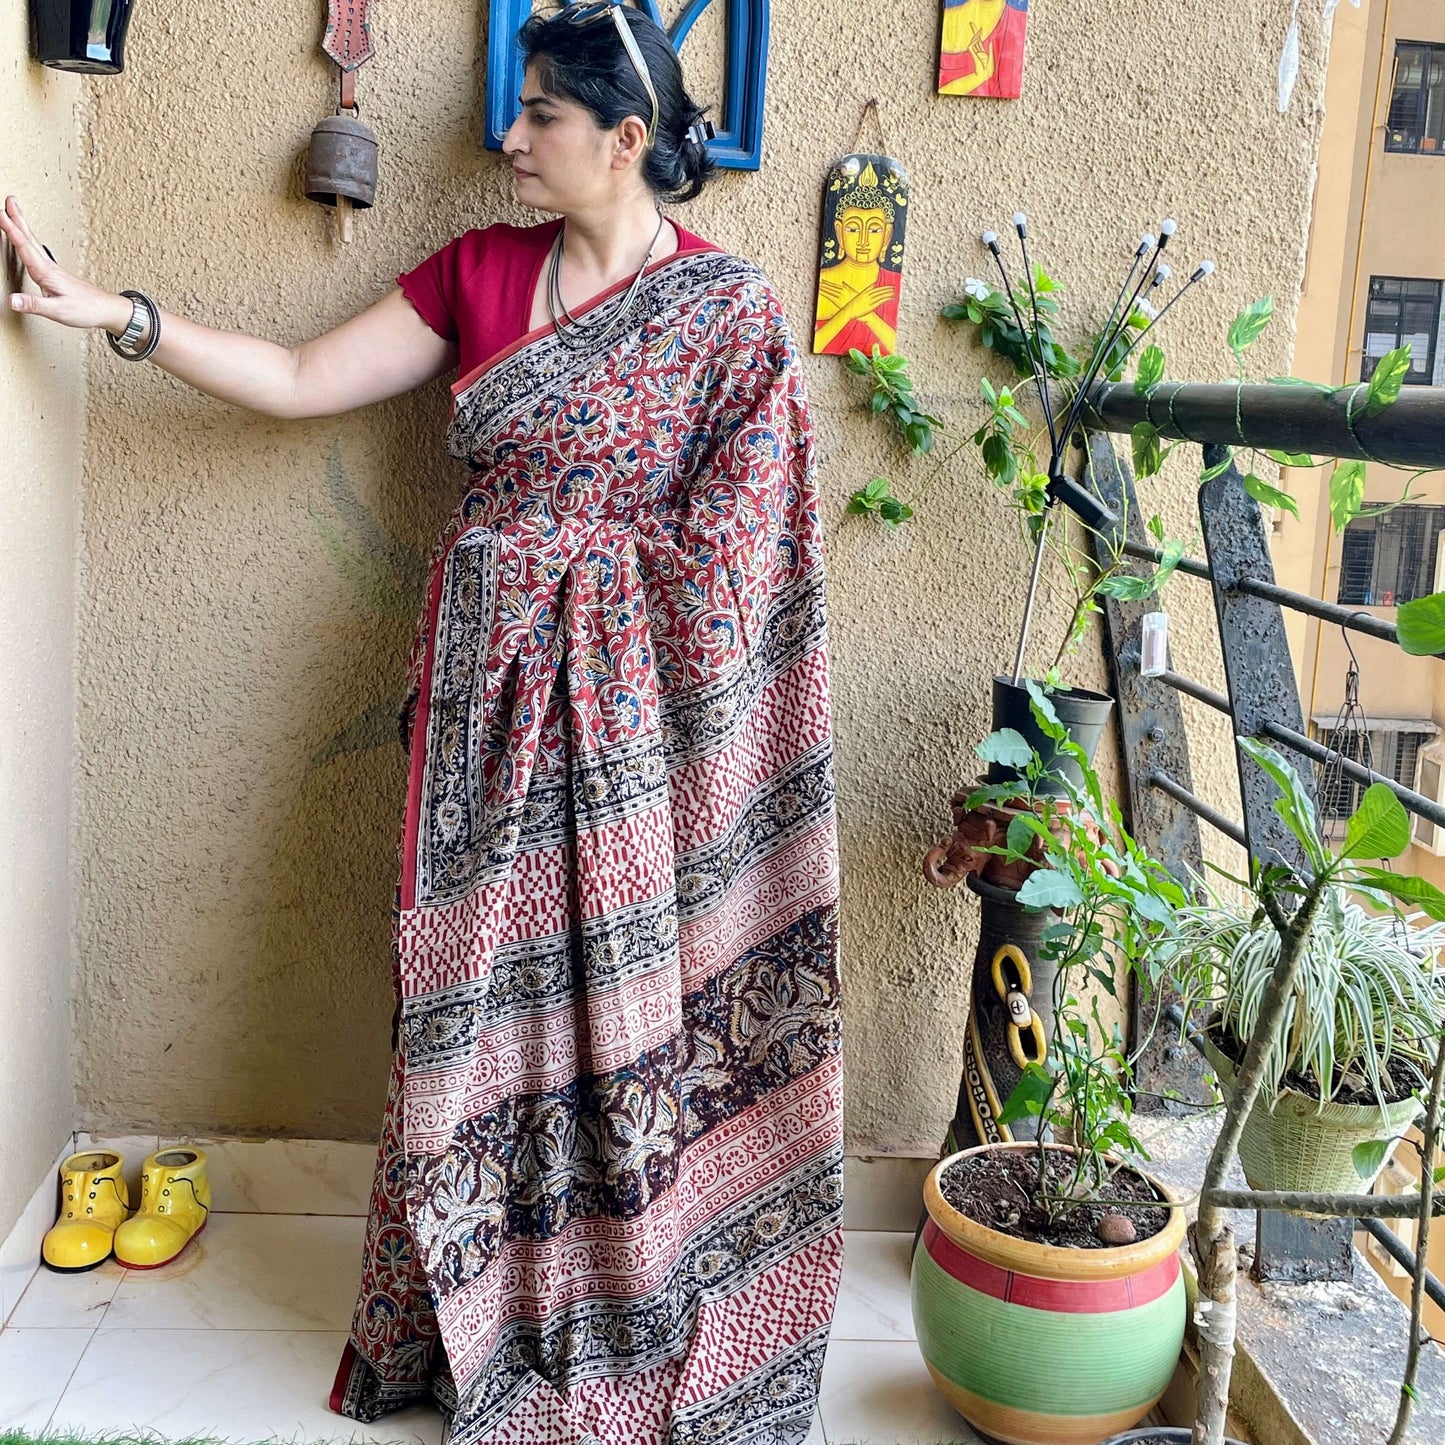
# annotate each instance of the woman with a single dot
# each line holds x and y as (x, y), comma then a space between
(608, 1198)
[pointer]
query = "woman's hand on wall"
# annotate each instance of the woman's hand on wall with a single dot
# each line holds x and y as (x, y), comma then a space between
(383, 351)
(63, 297)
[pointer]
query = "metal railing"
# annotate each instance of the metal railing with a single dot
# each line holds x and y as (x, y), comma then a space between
(1261, 700)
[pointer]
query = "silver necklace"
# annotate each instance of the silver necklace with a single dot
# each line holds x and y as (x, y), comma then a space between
(584, 331)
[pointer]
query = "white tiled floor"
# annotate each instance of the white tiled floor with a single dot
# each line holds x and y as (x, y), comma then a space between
(240, 1338)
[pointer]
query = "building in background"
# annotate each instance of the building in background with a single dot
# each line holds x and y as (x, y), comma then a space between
(1374, 279)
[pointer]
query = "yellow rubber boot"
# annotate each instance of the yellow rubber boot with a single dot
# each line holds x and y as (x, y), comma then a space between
(175, 1200)
(95, 1204)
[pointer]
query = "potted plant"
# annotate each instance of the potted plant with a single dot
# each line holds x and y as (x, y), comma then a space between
(1343, 1072)
(1349, 1062)
(1047, 1293)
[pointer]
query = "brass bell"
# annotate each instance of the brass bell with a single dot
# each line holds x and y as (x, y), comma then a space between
(341, 161)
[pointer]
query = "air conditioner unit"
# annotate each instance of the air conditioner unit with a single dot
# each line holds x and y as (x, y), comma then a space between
(1430, 780)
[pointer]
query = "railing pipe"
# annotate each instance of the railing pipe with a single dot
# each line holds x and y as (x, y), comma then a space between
(1396, 1248)
(1196, 805)
(1410, 432)
(1196, 690)
(1351, 617)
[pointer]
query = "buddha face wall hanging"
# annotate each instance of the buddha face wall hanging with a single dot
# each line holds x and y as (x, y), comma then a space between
(860, 272)
(982, 49)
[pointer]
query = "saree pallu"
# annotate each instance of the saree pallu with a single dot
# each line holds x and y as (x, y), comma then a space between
(608, 1201)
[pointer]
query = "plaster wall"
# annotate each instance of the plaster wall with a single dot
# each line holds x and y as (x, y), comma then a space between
(245, 618)
(42, 394)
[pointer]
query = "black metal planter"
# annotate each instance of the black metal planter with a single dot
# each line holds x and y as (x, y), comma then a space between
(82, 35)
(1083, 713)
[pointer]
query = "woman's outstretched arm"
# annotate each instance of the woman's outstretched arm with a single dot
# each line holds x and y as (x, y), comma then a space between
(383, 351)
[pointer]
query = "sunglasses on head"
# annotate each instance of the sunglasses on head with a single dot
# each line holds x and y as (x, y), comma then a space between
(585, 14)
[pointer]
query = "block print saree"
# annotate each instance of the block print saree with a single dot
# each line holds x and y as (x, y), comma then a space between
(608, 1201)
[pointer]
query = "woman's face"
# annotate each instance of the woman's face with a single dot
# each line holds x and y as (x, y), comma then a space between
(562, 160)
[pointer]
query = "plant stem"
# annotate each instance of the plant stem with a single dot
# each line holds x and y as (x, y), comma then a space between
(1213, 1238)
(1431, 1131)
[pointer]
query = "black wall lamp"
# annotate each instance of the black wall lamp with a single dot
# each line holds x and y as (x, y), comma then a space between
(84, 35)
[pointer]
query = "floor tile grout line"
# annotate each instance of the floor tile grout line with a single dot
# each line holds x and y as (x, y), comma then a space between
(69, 1380)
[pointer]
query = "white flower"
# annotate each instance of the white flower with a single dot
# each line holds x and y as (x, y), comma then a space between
(979, 290)
(1145, 308)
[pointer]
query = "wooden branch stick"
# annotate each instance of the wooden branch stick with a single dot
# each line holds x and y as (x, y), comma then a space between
(1213, 1238)
(1422, 1247)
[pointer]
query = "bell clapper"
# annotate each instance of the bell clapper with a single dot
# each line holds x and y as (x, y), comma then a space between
(343, 218)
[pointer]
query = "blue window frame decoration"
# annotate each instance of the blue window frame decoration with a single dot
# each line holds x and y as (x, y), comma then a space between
(738, 144)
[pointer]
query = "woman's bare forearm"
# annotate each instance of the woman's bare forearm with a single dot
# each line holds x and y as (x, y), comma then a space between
(245, 370)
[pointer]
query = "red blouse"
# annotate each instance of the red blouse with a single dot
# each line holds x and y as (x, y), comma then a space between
(476, 292)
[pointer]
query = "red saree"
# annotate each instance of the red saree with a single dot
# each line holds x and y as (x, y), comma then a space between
(608, 1202)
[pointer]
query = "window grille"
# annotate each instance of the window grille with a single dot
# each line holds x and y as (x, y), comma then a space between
(1390, 559)
(1402, 311)
(1417, 104)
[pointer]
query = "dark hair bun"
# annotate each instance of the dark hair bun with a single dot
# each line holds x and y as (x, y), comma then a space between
(589, 64)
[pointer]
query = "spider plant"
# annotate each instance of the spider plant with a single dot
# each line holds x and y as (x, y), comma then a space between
(1367, 990)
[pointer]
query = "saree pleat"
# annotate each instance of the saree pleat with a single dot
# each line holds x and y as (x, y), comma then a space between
(608, 1204)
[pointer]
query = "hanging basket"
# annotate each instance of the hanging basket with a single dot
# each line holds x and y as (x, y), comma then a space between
(1299, 1145)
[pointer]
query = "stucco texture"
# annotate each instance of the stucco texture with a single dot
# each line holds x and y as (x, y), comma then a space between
(248, 584)
(42, 396)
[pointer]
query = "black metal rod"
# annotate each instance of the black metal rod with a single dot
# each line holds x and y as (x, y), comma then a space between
(1417, 803)
(1362, 1206)
(1403, 1255)
(1350, 617)
(1196, 690)
(1408, 433)
(1196, 805)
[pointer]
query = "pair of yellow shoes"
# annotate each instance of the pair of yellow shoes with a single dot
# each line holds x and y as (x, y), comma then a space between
(175, 1203)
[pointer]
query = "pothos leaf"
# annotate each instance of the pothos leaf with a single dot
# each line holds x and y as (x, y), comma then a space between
(1151, 369)
(1347, 493)
(1270, 496)
(1420, 625)
(1249, 324)
(1387, 378)
(1148, 456)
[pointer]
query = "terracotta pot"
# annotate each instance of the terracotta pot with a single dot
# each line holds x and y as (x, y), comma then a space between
(1037, 1344)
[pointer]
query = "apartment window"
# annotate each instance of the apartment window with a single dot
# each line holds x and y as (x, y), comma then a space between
(1392, 754)
(1390, 559)
(1417, 106)
(1402, 312)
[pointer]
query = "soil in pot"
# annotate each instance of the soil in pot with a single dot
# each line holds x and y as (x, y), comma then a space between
(997, 1188)
(1399, 1077)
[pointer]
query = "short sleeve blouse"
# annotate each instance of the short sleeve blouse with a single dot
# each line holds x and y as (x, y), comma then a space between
(476, 292)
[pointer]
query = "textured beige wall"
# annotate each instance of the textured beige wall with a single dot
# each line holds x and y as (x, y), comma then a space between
(42, 395)
(242, 614)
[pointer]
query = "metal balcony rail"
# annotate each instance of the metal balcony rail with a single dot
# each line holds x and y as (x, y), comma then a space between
(1261, 699)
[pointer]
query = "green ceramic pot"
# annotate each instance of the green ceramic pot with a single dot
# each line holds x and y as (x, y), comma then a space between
(1036, 1344)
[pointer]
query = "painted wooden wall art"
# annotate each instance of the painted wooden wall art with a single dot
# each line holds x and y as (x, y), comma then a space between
(982, 49)
(860, 272)
(738, 142)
